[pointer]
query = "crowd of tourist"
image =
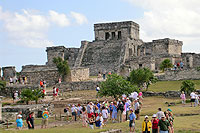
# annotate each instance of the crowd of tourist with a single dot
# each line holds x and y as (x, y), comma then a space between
(126, 108)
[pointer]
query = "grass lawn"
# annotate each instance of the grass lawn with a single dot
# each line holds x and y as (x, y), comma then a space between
(163, 86)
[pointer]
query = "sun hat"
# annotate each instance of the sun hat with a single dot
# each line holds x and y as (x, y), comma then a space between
(169, 110)
(19, 116)
(146, 116)
(163, 115)
(154, 116)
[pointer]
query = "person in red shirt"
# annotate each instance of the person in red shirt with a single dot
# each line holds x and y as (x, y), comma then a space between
(154, 122)
(41, 84)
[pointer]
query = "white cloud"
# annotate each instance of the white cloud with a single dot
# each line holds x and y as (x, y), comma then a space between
(179, 19)
(29, 28)
(80, 18)
(59, 19)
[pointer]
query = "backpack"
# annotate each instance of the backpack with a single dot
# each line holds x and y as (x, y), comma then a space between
(65, 110)
(121, 107)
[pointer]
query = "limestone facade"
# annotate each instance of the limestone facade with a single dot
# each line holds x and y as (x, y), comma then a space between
(118, 44)
(9, 72)
(37, 73)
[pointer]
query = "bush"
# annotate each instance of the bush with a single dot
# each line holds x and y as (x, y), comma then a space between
(165, 65)
(188, 86)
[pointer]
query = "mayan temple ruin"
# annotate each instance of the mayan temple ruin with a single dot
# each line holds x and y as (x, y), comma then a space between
(116, 48)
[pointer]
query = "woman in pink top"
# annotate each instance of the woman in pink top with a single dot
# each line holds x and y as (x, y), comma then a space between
(140, 96)
(183, 97)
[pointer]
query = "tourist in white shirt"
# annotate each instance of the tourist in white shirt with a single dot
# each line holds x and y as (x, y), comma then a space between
(192, 96)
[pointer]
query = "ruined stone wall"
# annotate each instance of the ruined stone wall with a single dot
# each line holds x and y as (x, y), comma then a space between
(196, 60)
(80, 74)
(53, 52)
(36, 73)
(102, 56)
(116, 30)
(141, 62)
(9, 72)
(187, 74)
(187, 59)
(71, 54)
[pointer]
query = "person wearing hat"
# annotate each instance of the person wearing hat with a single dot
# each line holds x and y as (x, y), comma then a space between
(154, 122)
(45, 115)
(146, 125)
(163, 125)
(132, 118)
(19, 122)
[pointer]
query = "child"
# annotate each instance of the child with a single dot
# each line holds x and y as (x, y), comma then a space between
(91, 122)
(132, 121)
(19, 122)
(183, 97)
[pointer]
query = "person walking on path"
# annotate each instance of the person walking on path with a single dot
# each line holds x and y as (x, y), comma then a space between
(132, 118)
(154, 122)
(137, 109)
(19, 122)
(45, 116)
(30, 121)
(192, 97)
(146, 125)
(183, 98)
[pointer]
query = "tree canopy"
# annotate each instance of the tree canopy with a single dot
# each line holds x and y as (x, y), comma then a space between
(115, 86)
(63, 67)
(188, 86)
(142, 77)
(165, 65)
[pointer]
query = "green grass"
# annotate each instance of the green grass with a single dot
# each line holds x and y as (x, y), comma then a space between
(163, 86)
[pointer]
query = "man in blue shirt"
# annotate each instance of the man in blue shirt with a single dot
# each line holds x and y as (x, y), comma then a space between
(132, 121)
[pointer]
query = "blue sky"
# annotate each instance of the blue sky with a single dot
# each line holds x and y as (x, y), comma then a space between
(28, 26)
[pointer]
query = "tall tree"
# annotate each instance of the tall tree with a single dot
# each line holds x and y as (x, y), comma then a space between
(115, 86)
(63, 67)
(165, 65)
(142, 77)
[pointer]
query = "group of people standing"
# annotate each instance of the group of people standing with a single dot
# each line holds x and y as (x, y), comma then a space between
(99, 113)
